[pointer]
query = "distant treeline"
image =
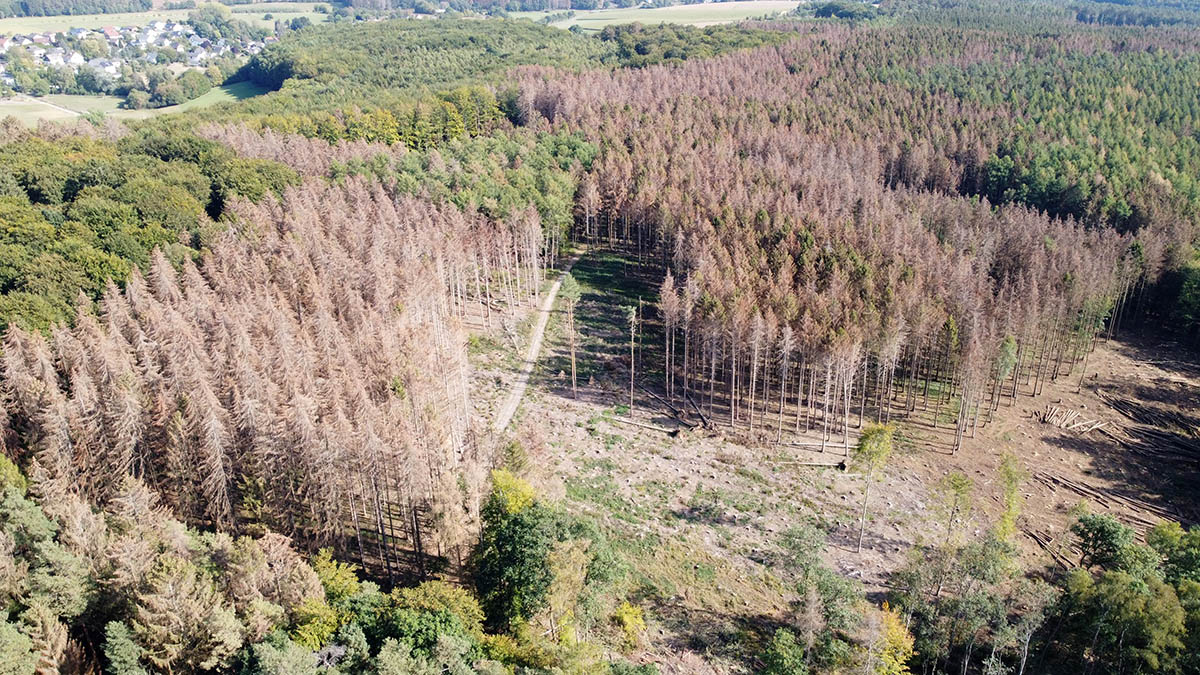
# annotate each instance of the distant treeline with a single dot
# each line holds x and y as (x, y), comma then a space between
(1121, 14)
(1012, 14)
(9, 8)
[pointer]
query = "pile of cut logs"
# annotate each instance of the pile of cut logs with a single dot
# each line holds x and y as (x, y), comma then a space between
(1065, 418)
(1156, 432)
(1151, 415)
(1057, 549)
(1144, 514)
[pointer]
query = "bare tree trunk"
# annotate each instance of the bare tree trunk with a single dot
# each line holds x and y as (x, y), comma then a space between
(571, 331)
(799, 390)
(825, 409)
(753, 380)
(782, 395)
(632, 363)
(862, 519)
(687, 333)
(862, 401)
(1083, 372)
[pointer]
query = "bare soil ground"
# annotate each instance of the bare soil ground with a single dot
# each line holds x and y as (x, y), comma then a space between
(700, 514)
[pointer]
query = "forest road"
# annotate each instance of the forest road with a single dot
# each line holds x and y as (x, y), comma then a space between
(531, 355)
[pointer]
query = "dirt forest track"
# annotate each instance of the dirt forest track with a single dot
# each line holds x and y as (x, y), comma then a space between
(513, 401)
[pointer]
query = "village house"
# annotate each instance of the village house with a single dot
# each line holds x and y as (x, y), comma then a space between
(110, 67)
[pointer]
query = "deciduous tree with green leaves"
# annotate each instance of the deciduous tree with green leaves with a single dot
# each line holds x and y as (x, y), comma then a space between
(511, 563)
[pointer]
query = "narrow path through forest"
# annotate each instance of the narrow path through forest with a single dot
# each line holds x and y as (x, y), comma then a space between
(531, 355)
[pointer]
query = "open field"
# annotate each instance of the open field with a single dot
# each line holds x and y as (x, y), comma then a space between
(703, 14)
(79, 103)
(29, 111)
(223, 94)
(57, 107)
(252, 14)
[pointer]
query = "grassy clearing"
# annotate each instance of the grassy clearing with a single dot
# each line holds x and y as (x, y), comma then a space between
(82, 104)
(703, 14)
(609, 284)
(223, 94)
(252, 14)
(30, 110)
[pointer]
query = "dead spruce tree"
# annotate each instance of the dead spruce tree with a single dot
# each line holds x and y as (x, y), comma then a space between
(309, 376)
(899, 292)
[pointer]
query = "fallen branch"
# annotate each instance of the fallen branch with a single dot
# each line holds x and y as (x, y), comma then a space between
(703, 418)
(653, 427)
(676, 412)
(1045, 542)
(840, 465)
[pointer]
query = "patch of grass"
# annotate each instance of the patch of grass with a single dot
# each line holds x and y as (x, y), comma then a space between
(676, 566)
(728, 459)
(238, 91)
(602, 465)
(478, 345)
(82, 104)
(594, 485)
(658, 490)
(750, 475)
(600, 491)
(705, 505)
(746, 502)
(908, 438)
(30, 111)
